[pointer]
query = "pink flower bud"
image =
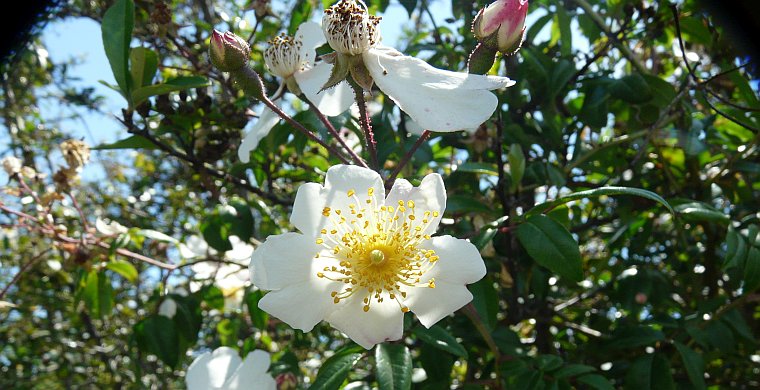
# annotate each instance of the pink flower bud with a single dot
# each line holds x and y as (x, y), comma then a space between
(228, 51)
(501, 25)
(286, 381)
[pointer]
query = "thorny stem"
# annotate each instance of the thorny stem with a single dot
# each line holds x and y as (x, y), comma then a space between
(406, 158)
(472, 314)
(309, 134)
(331, 129)
(366, 124)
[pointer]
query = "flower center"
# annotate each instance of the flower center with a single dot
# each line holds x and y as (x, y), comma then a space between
(283, 56)
(349, 28)
(377, 250)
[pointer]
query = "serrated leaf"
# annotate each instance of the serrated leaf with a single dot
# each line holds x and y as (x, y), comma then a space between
(335, 369)
(599, 192)
(440, 338)
(393, 364)
(116, 29)
(551, 246)
(123, 268)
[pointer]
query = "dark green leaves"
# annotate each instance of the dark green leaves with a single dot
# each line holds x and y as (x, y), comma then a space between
(551, 246)
(599, 192)
(650, 372)
(117, 26)
(393, 363)
(440, 338)
(97, 293)
(158, 335)
(335, 369)
(695, 366)
(171, 85)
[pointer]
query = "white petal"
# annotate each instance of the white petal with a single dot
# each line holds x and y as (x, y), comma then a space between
(429, 196)
(312, 198)
(283, 260)
(258, 130)
(301, 305)
(211, 370)
(311, 36)
(167, 308)
(432, 304)
(331, 102)
(438, 100)
(383, 322)
(252, 374)
(241, 251)
(194, 246)
(460, 261)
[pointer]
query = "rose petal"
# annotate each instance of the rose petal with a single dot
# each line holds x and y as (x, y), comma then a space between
(460, 261)
(383, 322)
(438, 100)
(429, 196)
(430, 305)
(312, 198)
(331, 102)
(211, 369)
(259, 129)
(311, 37)
(301, 305)
(283, 260)
(253, 372)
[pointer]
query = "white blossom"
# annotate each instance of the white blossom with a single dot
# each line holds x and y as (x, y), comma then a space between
(224, 370)
(361, 259)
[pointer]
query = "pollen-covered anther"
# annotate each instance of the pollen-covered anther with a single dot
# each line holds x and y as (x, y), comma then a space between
(283, 56)
(349, 27)
(379, 252)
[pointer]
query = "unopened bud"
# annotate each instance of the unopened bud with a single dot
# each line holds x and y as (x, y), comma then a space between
(228, 51)
(76, 153)
(501, 25)
(286, 381)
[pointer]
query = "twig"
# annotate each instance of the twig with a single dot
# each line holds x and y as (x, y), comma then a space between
(366, 124)
(331, 129)
(21, 271)
(405, 160)
(470, 311)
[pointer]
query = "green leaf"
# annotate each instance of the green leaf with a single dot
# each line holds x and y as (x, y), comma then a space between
(393, 363)
(158, 335)
(213, 297)
(698, 211)
(632, 89)
(172, 85)
(650, 372)
(116, 29)
(440, 338)
(548, 363)
(133, 142)
(736, 250)
(335, 369)
(516, 160)
(551, 246)
(596, 192)
(409, 5)
(572, 370)
(695, 366)
(123, 268)
(143, 64)
(596, 381)
(479, 168)
(486, 301)
(300, 13)
(752, 270)
(259, 317)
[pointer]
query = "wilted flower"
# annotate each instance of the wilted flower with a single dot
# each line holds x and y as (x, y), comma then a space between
(12, 165)
(76, 153)
(223, 369)
(438, 100)
(501, 25)
(292, 58)
(363, 259)
(228, 52)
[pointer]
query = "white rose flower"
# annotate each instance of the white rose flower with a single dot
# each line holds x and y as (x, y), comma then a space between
(293, 59)
(224, 370)
(438, 100)
(361, 259)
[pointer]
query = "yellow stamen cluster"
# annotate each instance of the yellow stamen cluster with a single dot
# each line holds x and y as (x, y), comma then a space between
(349, 28)
(376, 249)
(283, 56)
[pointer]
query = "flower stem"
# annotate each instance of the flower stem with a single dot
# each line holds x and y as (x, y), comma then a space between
(407, 157)
(331, 129)
(365, 122)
